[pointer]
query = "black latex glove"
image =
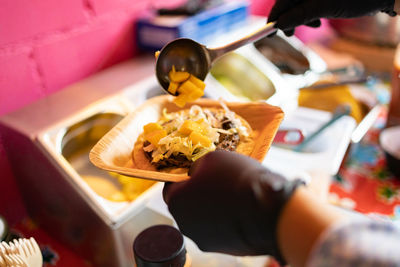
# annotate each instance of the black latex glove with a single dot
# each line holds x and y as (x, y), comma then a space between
(231, 204)
(291, 13)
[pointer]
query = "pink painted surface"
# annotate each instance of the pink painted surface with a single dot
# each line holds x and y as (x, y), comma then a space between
(165, 4)
(308, 34)
(261, 7)
(20, 19)
(80, 54)
(46, 45)
(19, 82)
(105, 6)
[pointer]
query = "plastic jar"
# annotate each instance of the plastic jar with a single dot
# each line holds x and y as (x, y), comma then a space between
(160, 246)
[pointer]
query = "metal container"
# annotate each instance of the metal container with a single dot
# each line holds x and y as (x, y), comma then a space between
(250, 68)
(283, 55)
(380, 29)
(242, 78)
(47, 144)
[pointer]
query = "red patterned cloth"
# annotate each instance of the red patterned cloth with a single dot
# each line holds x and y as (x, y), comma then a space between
(364, 183)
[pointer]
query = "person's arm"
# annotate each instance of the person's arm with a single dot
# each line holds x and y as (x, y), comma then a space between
(234, 205)
(303, 220)
(290, 14)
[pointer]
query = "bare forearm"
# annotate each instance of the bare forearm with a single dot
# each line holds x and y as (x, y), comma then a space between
(302, 221)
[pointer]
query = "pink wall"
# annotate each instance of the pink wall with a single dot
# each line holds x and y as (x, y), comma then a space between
(261, 7)
(46, 45)
(42, 43)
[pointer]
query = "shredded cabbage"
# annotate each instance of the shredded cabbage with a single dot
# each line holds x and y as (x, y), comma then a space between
(176, 143)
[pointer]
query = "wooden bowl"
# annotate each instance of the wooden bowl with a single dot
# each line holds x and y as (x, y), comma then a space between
(113, 151)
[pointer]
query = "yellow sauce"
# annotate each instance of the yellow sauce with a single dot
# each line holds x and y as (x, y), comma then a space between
(330, 98)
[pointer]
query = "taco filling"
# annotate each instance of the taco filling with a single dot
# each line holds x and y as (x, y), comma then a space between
(180, 138)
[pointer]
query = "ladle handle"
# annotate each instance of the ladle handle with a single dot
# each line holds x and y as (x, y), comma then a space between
(266, 30)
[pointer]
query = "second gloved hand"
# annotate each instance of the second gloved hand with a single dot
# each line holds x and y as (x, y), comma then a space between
(231, 204)
(289, 14)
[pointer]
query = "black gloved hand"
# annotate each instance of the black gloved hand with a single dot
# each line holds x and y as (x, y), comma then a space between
(291, 13)
(231, 204)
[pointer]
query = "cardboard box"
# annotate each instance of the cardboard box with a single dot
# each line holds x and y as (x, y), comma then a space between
(154, 31)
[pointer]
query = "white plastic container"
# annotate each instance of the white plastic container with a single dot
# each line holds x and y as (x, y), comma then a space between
(325, 152)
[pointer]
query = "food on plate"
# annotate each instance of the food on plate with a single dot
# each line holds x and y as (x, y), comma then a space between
(179, 138)
(330, 98)
(185, 86)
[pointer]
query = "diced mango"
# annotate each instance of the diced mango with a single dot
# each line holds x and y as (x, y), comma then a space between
(187, 127)
(156, 54)
(155, 136)
(178, 76)
(185, 96)
(151, 127)
(198, 138)
(187, 87)
(172, 87)
(195, 94)
(180, 100)
(190, 126)
(199, 83)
